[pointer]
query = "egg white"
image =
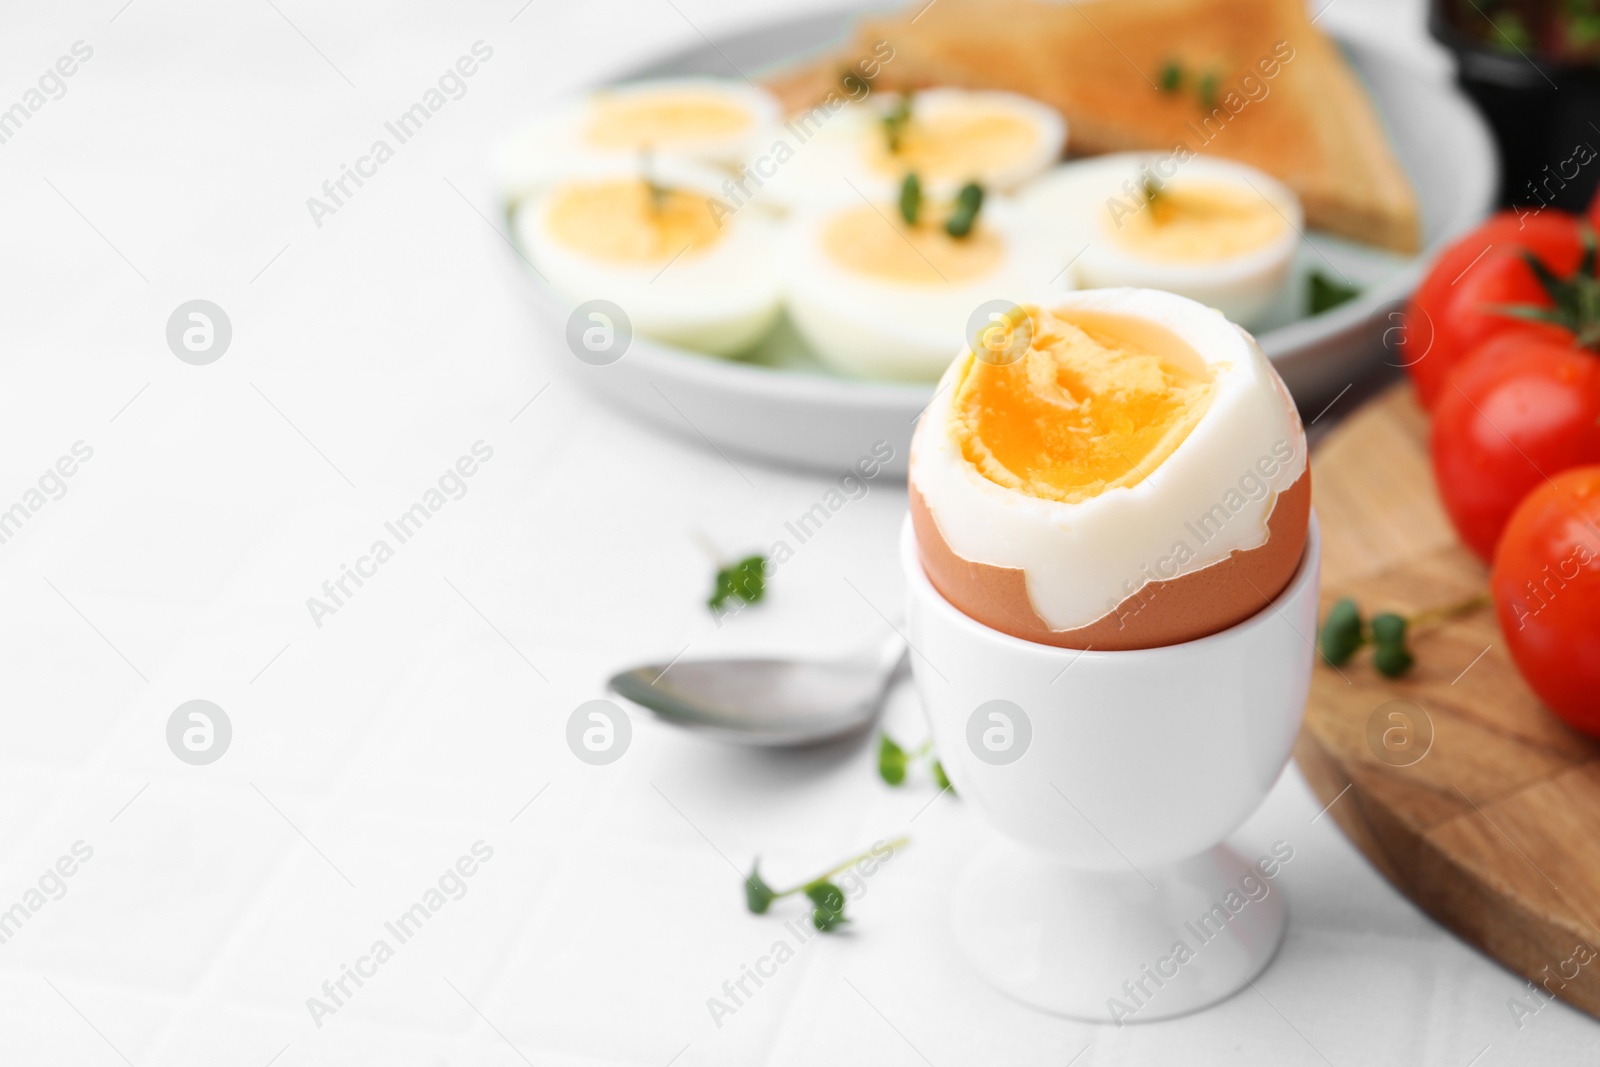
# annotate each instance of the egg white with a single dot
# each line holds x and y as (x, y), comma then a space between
(832, 149)
(1081, 560)
(720, 300)
(1074, 203)
(882, 328)
(554, 144)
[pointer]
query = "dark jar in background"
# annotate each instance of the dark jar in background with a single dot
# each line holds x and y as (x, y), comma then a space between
(1533, 67)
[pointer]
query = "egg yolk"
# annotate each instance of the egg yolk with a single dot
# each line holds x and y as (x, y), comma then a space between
(1096, 403)
(624, 221)
(1197, 223)
(868, 242)
(622, 122)
(953, 144)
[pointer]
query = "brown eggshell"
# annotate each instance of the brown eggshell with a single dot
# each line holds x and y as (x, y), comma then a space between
(1169, 612)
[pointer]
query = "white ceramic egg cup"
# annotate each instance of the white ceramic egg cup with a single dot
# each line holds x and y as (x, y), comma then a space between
(1114, 777)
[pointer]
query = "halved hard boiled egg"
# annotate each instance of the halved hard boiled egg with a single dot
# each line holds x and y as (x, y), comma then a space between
(1136, 477)
(707, 120)
(1216, 231)
(878, 297)
(949, 137)
(659, 247)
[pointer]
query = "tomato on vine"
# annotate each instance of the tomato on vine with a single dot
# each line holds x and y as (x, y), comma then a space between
(1546, 588)
(1462, 301)
(1522, 408)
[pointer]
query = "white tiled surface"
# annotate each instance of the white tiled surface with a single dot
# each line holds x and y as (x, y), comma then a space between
(374, 751)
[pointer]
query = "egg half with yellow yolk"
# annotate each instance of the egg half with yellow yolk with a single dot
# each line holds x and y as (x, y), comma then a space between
(681, 271)
(1137, 478)
(1219, 232)
(706, 120)
(876, 297)
(951, 137)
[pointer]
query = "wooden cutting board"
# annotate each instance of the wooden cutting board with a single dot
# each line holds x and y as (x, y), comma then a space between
(1472, 799)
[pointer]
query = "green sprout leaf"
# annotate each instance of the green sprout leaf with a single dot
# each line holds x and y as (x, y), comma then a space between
(829, 900)
(892, 760)
(969, 201)
(1341, 632)
(825, 894)
(910, 198)
(895, 123)
(745, 580)
(1171, 78)
(1388, 629)
(1207, 90)
(758, 896)
(1392, 660)
(1391, 656)
(1325, 294)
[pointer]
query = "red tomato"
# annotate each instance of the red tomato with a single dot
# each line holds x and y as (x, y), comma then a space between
(1449, 313)
(1546, 587)
(1521, 409)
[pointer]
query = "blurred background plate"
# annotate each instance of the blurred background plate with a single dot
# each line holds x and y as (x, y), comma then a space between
(780, 405)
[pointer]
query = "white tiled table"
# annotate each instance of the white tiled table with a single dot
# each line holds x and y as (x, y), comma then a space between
(425, 714)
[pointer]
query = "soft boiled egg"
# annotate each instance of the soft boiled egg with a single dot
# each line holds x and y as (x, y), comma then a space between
(878, 297)
(706, 120)
(683, 271)
(949, 137)
(1219, 232)
(1136, 478)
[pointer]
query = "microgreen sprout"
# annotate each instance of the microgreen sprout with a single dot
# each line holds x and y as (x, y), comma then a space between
(895, 122)
(969, 201)
(910, 198)
(894, 760)
(1344, 632)
(827, 899)
(743, 580)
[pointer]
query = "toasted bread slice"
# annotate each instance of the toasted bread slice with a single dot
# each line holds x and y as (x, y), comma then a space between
(1258, 82)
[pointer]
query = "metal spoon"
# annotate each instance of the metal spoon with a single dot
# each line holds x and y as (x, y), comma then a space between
(767, 702)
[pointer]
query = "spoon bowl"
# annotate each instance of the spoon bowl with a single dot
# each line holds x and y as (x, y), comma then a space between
(769, 702)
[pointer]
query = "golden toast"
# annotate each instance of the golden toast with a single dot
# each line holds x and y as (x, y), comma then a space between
(1250, 80)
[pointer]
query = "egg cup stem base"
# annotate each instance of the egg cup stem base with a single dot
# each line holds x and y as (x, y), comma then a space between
(1104, 946)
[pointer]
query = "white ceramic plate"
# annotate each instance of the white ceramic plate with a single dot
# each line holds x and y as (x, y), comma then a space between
(781, 405)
